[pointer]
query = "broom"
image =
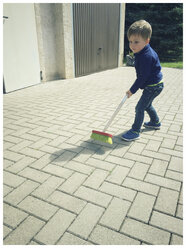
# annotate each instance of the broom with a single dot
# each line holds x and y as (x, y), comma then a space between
(106, 137)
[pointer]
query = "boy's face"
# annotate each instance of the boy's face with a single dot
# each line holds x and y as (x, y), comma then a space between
(137, 43)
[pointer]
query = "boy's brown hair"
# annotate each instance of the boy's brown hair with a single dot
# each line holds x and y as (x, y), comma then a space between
(140, 27)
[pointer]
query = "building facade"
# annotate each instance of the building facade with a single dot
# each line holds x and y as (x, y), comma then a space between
(50, 41)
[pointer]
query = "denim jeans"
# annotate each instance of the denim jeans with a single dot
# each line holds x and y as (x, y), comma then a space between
(145, 104)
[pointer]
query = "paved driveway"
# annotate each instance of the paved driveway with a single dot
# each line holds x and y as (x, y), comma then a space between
(62, 188)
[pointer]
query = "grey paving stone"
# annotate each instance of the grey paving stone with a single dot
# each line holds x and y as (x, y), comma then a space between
(178, 148)
(105, 236)
(153, 145)
(59, 140)
(38, 144)
(55, 227)
(74, 139)
(120, 150)
(102, 153)
(179, 212)
(171, 152)
(93, 196)
(18, 194)
(7, 145)
(181, 196)
(118, 191)
(12, 180)
(31, 152)
(44, 211)
(21, 164)
(86, 220)
(141, 207)
(157, 155)
(176, 240)
(34, 175)
(179, 141)
(167, 201)
(51, 150)
(67, 202)
(7, 190)
(7, 163)
(145, 232)
(13, 216)
(141, 186)
(168, 143)
(84, 155)
(162, 181)
(115, 213)
(20, 145)
(120, 161)
(139, 171)
(48, 187)
(158, 167)
(12, 139)
(33, 243)
(24, 233)
(139, 158)
(64, 158)
(57, 171)
(79, 167)
(154, 137)
(167, 222)
(176, 164)
(118, 174)
(72, 183)
(96, 178)
(100, 164)
(6, 231)
(136, 148)
(12, 156)
(70, 239)
(43, 161)
(30, 137)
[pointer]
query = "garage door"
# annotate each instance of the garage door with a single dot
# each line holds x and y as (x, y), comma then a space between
(96, 36)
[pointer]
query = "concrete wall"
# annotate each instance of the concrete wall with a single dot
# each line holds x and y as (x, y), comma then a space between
(68, 40)
(122, 32)
(54, 30)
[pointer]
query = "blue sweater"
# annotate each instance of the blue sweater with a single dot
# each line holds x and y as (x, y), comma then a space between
(148, 69)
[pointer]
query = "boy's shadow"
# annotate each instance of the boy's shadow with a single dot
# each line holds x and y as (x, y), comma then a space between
(91, 147)
(88, 147)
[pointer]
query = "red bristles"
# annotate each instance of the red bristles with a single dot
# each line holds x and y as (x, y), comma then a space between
(102, 133)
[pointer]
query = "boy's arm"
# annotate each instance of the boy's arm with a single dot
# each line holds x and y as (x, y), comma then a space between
(143, 73)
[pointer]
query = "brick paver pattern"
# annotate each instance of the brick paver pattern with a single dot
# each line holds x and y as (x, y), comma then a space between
(62, 188)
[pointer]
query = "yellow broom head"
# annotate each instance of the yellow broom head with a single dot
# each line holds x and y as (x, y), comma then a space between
(101, 136)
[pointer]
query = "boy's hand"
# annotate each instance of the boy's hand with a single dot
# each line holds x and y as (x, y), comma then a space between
(129, 93)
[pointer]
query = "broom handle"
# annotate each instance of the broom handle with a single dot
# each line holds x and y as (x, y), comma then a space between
(115, 113)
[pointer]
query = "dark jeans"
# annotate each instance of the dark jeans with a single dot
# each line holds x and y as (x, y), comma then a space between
(145, 104)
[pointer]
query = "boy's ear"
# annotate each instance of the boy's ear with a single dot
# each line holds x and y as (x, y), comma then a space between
(147, 41)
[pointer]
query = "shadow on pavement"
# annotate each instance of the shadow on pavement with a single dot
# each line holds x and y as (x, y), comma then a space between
(89, 147)
(92, 147)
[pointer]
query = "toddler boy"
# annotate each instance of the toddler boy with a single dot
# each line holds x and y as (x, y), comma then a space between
(149, 78)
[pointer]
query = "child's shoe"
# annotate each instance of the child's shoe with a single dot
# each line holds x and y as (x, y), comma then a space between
(152, 125)
(130, 135)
